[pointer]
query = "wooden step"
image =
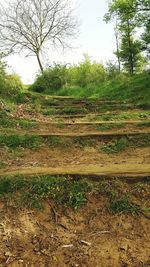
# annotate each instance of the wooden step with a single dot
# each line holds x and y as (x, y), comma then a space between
(95, 122)
(103, 134)
(132, 172)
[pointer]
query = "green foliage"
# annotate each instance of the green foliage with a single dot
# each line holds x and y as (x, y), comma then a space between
(87, 73)
(110, 126)
(60, 76)
(129, 16)
(2, 164)
(143, 124)
(116, 146)
(53, 141)
(83, 142)
(123, 205)
(50, 80)
(14, 141)
(122, 88)
(10, 85)
(30, 192)
(7, 122)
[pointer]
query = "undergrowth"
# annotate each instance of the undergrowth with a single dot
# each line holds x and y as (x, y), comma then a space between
(115, 146)
(20, 191)
(31, 192)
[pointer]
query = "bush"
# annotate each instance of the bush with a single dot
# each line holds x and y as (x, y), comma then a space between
(10, 85)
(58, 77)
(50, 80)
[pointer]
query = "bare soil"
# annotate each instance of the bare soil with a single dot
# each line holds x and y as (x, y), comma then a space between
(59, 236)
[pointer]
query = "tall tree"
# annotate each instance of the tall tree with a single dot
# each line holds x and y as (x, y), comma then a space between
(34, 25)
(130, 48)
(117, 44)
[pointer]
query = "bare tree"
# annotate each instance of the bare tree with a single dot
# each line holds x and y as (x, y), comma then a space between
(34, 25)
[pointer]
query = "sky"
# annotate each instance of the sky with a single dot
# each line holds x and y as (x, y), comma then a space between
(96, 38)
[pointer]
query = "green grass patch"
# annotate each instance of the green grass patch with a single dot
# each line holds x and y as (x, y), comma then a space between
(60, 124)
(84, 142)
(116, 146)
(31, 192)
(143, 124)
(25, 124)
(22, 191)
(2, 164)
(110, 126)
(71, 111)
(49, 111)
(123, 205)
(53, 141)
(26, 141)
(123, 116)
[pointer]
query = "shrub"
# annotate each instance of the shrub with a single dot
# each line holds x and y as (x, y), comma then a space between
(50, 80)
(10, 85)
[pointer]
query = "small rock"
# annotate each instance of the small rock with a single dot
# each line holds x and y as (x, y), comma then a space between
(124, 246)
(20, 261)
(8, 254)
(85, 243)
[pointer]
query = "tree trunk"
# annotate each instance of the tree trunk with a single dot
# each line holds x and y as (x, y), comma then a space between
(40, 63)
(117, 44)
(130, 50)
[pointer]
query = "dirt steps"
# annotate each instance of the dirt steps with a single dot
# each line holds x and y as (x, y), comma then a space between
(125, 172)
(92, 134)
(95, 122)
(47, 129)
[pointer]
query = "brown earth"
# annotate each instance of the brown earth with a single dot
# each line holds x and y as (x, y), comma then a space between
(59, 236)
(65, 157)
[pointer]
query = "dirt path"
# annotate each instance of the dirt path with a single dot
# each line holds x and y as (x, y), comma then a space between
(94, 235)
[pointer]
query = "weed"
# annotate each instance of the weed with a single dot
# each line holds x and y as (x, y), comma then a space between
(16, 153)
(60, 124)
(53, 141)
(73, 111)
(84, 141)
(110, 126)
(30, 192)
(25, 124)
(7, 123)
(124, 205)
(2, 164)
(49, 111)
(143, 124)
(140, 141)
(116, 146)
(122, 116)
(27, 141)
(37, 105)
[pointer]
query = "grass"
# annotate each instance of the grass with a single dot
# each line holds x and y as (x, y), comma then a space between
(53, 141)
(22, 192)
(110, 126)
(7, 122)
(119, 196)
(83, 142)
(2, 164)
(60, 124)
(49, 111)
(72, 111)
(26, 141)
(31, 192)
(143, 124)
(122, 88)
(123, 205)
(116, 146)
(123, 116)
